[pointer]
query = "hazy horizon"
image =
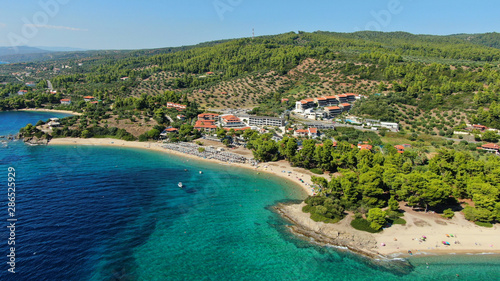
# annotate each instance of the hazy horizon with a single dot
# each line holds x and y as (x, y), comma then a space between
(127, 25)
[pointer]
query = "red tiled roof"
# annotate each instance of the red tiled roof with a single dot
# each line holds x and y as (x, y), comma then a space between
(331, 97)
(231, 118)
(350, 94)
(479, 126)
(342, 96)
(332, 108)
(172, 130)
(313, 130)
(346, 104)
(205, 124)
(302, 131)
(309, 100)
(283, 100)
(365, 147)
(88, 97)
(207, 114)
(94, 102)
(491, 146)
(322, 98)
(399, 147)
(65, 100)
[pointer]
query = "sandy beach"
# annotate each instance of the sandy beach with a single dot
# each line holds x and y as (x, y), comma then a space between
(462, 235)
(298, 176)
(50, 110)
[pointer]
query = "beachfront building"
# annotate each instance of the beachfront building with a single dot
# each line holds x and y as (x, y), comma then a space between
(302, 105)
(266, 121)
(65, 101)
(231, 121)
(345, 106)
(332, 111)
(208, 116)
(205, 125)
(167, 131)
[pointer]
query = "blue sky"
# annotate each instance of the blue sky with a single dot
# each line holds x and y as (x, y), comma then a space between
(130, 24)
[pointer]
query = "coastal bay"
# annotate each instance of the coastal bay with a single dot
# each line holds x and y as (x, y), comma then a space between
(398, 239)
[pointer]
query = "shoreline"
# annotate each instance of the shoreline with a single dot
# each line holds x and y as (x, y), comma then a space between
(467, 239)
(49, 110)
(268, 168)
(398, 239)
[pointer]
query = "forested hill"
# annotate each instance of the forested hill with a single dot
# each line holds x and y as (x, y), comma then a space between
(486, 39)
(451, 73)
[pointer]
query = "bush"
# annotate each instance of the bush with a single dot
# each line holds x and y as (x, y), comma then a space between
(484, 224)
(363, 225)
(399, 221)
(317, 171)
(448, 213)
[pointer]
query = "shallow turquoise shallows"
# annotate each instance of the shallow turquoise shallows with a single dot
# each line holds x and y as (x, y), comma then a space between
(98, 213)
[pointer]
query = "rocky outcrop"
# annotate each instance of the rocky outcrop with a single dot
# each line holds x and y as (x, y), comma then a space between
(36, 141)
(340, 235)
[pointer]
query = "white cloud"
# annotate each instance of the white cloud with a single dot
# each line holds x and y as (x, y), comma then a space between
(55, 27)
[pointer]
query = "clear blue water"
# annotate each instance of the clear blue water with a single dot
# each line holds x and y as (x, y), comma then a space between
(96, 213)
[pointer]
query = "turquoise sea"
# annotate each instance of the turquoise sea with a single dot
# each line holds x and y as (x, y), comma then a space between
(97, 213)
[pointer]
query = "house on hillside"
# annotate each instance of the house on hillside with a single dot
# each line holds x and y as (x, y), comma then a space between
(491, 148)
(479, 127)
(365, 147)
(88, 98)
(65, 101)
(22, 92)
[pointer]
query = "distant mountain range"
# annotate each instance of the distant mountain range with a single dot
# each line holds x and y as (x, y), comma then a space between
(26, 53)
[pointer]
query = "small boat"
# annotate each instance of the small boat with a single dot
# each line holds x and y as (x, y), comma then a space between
(180, 184)
(201, 172)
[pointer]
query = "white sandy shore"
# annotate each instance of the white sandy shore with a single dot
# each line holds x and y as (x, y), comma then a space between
(50, 110)
(275, 168)
(399, 239)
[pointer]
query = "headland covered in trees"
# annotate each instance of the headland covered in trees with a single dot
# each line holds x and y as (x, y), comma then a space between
(441, 91)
